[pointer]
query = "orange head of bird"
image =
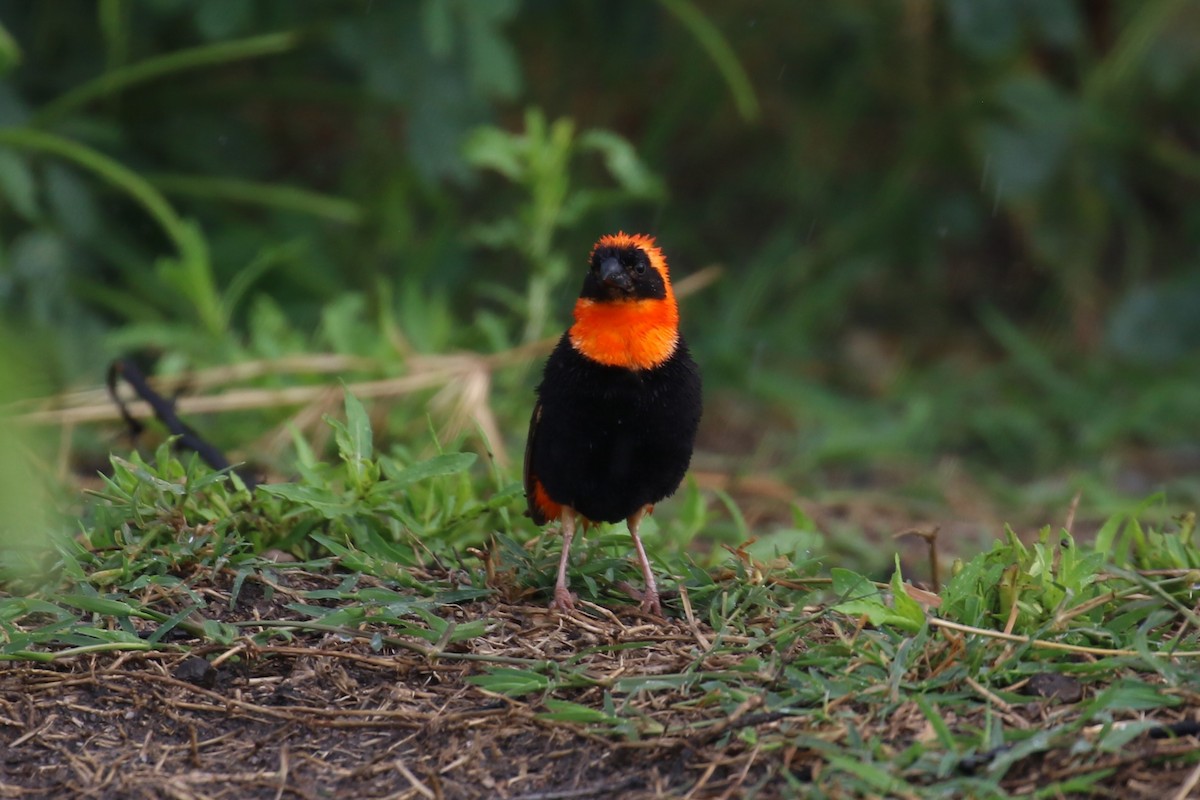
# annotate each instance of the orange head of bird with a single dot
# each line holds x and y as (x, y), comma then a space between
(626, 315)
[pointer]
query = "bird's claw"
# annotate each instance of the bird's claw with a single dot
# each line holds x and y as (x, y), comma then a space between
(651, 604)
(563, 600)
(650, 601)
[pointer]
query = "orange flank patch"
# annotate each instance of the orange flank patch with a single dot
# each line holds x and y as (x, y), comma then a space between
(635, 334)
(549, 508)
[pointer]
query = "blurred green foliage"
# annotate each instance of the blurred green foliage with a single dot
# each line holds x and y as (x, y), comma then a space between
(947, 226)
(29, 519)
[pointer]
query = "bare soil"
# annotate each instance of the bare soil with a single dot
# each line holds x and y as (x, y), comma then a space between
(316, 716)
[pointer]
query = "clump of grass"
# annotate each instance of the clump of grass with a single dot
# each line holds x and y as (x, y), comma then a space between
(1051, 661)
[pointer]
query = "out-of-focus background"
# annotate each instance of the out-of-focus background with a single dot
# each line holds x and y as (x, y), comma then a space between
(940, 256)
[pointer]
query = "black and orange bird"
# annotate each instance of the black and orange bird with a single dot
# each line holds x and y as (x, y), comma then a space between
(618, 406)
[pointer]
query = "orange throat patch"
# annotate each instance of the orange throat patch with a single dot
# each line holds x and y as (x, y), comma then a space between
(635, 334)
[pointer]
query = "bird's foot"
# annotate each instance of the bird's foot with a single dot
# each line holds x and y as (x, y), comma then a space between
(650, 601)
(563, 600)
(650, 604)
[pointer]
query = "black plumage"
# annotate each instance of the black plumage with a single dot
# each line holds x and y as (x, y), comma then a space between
(618, 407)
(608, 441)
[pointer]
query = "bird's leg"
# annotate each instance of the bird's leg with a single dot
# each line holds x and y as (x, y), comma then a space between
(563, 601)
(650, 603)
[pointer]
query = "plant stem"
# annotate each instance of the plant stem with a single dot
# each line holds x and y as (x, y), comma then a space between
(193, 252)
(288, 198)
(121, 78)
(710, 38)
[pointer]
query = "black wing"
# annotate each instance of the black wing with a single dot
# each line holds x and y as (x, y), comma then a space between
(532, 511)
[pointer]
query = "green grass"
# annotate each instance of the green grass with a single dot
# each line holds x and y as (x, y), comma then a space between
(773, 652)
(956, 285)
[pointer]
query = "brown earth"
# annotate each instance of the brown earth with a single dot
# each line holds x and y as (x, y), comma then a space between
(316, 715)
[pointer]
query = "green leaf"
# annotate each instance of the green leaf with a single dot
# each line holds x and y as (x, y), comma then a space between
(439, 465)
(311, 470)
(875, 777)
(346, 617)
(10, 51)
(114, 27)
(714, 43)
(436, 624)
(493, 148)
(1131, 695)
(219, 632)
(858, 595)
(564, 711)
(354, 441)
(172, 622)
(492, 61)
(190, 273)
(864, 599)
(99, 605)
(114, 81)
(849, 585)
(621, 159)
(937, 722)
(906, 607)
(277, 196)
(323, 501)
(17, 185)
(511, 682)
(1121, 734)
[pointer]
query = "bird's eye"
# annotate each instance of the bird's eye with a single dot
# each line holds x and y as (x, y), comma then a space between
(640, 267)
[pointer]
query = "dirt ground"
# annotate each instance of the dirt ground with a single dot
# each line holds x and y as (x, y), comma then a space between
(318, 716)
(306, 728)
(319, 719)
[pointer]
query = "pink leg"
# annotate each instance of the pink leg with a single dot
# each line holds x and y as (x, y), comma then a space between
(650, 603)
(563, 601)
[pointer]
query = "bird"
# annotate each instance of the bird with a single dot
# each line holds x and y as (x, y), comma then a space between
(618, 407)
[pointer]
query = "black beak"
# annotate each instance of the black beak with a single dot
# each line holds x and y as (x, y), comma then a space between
(613, 274)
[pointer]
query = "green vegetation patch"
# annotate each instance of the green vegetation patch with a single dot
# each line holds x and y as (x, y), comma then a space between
(381, 596)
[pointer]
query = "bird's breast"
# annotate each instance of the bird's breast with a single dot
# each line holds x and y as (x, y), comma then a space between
(633, 334)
